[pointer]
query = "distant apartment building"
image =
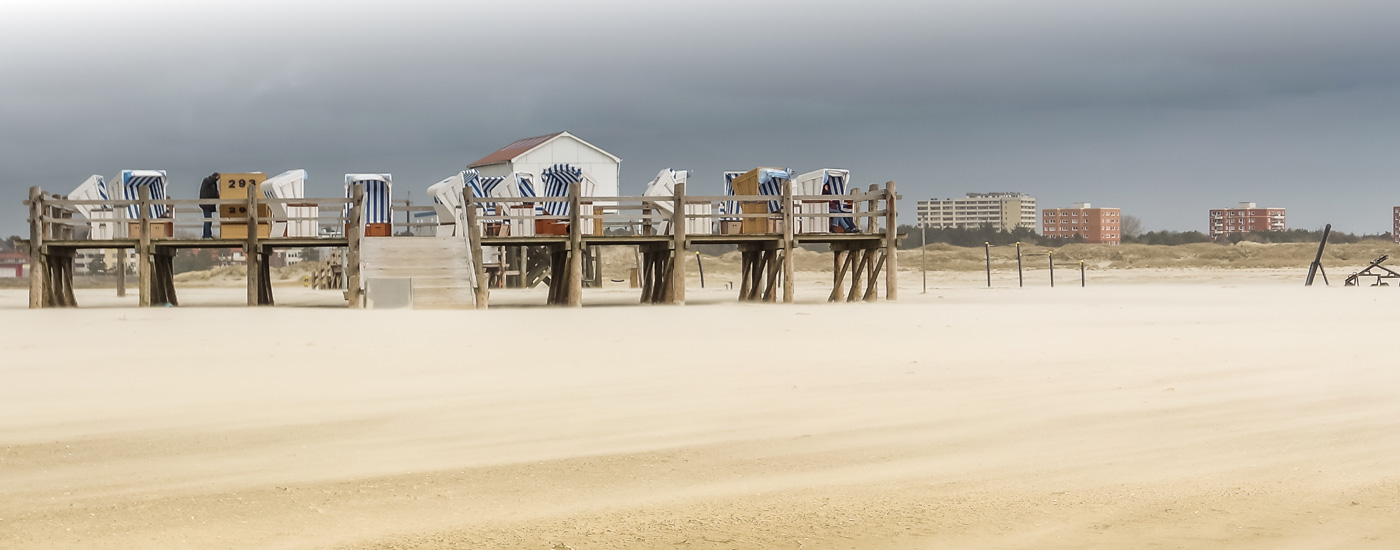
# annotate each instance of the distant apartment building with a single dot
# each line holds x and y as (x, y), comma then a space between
(1395, 222)
(998, 210)
(1245, 218)
(1095, 225)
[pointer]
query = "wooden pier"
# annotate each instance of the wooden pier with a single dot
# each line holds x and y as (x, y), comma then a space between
(54, 241)
(662, 242)
(766, 264)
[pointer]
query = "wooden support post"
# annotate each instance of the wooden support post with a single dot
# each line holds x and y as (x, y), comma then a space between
(644, 277)
(143, 250)
(250, 250)
(38, 271)
(760, 263)
(861, 265)
(843, 263)
(354, 230)
(744, 267)
(575, 279)
(665, 291)
(676, 296)
(788, 245)
(871, 224)
(872, 290)
(474, 248)
(891, 244)
(770, 258)
(264, 279)
(121, 265)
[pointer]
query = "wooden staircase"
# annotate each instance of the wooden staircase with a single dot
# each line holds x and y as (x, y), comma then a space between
(440, 268)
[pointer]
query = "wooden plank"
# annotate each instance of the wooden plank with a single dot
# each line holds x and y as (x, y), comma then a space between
(744, 267)
(644, 276)
(36, 248)
(575, 280)
(353, 293)
(677, 265)
(143, 249)
(872, 288)
(842, 259)
(250, 250)
(860, 266)
(788, 229)
(474, 246)
(891, 244)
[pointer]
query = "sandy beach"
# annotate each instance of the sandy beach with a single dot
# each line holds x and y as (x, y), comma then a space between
(1151, 409)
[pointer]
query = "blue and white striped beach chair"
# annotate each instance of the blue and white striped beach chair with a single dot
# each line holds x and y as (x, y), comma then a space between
(770, 183)
(827, 182)
(379, 193)
(729, 207)
(835, 184)
(556, 180)
(517, 185)
(153, 180)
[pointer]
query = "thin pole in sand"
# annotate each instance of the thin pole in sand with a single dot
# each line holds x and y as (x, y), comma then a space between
(923, 254)
(1020, 277)
(1081, 273)
(988, 246)
(1051, 254)
(701, 265)
(1317, 262)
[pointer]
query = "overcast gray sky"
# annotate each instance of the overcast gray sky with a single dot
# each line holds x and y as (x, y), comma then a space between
(1165, 109)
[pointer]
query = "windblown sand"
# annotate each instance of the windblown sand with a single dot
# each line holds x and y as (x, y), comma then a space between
(1147, 410)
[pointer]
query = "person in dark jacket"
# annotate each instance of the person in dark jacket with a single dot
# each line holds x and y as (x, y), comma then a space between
(209, 189)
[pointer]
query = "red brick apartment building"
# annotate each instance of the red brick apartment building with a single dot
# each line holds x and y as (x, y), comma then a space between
(1096, 225)
(1245, 218)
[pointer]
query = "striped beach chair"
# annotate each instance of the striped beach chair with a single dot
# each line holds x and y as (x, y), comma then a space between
(517, 185)
(729, 207)
(770, 183)
(379, 192)
(153, 180)
(290, 185)
(101, 218)
(556, 180)
(827, 181)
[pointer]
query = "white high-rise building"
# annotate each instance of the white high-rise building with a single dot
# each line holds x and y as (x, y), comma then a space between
(998, 210)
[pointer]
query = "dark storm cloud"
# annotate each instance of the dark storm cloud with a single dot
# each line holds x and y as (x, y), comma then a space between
(1164, 110)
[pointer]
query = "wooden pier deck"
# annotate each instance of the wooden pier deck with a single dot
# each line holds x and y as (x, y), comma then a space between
(860, 259)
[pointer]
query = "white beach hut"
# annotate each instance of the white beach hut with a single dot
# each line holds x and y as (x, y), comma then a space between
(535, 154)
